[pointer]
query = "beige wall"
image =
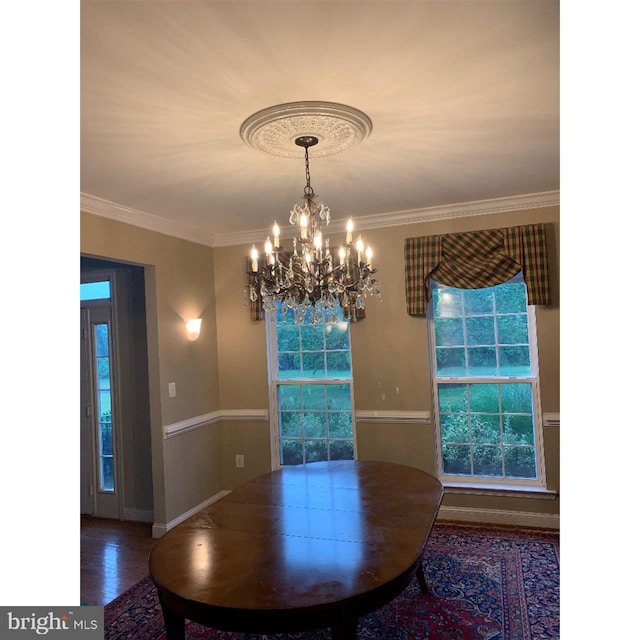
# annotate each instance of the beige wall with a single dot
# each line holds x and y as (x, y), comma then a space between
(227, 367)
(390, 360)
(242, 348)
(179, 285)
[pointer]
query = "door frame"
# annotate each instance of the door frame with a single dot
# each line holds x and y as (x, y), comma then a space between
(105, 504)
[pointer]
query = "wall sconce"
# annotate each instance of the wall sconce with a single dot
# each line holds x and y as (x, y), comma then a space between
(193, 328)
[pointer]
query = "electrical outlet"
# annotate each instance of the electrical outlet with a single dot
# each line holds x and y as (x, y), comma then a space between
(172, 389)
(239, 460)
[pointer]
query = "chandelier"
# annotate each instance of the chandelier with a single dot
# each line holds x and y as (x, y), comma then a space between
(312, 280)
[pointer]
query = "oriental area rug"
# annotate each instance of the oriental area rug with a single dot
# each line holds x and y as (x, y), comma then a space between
(485, 584)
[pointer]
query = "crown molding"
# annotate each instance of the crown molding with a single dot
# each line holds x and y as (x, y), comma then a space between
(461, 210)
(416, 216)
(137, 218)
(120, 213)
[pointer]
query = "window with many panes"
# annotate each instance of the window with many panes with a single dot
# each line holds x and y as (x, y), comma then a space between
(485, 385)
(311, 389)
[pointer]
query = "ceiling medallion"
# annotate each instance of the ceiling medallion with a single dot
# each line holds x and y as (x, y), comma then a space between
(336, 126)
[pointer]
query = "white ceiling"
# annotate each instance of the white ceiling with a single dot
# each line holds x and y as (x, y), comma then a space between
(463, 96)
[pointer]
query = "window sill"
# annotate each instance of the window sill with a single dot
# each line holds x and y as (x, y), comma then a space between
(499, 490)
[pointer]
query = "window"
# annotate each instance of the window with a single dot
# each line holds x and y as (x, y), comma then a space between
(95, 290)
(485, 385)
(311, 389)
(103, 397)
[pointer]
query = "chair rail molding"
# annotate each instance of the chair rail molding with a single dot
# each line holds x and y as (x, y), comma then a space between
(184, 426)
(369, 416)
(393, 417)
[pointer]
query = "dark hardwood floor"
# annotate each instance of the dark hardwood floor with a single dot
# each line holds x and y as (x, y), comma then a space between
(113, 556)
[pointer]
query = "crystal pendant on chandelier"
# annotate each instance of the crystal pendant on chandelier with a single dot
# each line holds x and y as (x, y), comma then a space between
(310, 280)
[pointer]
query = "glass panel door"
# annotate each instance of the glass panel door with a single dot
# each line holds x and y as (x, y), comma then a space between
(104, 438)
(99, 475)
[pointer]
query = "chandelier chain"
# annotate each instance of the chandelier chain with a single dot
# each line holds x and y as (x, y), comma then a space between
(308, 190)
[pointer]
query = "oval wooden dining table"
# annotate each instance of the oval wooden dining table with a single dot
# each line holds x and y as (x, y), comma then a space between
(303, 547)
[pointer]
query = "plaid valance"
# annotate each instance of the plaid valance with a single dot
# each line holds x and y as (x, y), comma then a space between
(475, 260)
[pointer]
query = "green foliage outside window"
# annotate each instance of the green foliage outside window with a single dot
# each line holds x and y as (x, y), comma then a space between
(480, 424)
(106, 452)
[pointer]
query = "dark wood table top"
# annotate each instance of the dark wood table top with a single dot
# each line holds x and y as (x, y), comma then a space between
(301, 547)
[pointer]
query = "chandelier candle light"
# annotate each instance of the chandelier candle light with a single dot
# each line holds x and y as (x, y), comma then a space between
(311, 278)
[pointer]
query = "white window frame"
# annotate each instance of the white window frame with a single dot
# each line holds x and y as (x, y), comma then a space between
(452, 480)
(275, 382)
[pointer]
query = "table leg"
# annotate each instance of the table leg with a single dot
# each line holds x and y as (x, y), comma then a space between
(346, 629)
(422, 581)
(173, 623)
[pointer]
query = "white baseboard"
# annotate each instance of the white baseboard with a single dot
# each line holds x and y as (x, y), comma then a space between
(160, 528)
(496, 516)
(453, 514)
(137, 515)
